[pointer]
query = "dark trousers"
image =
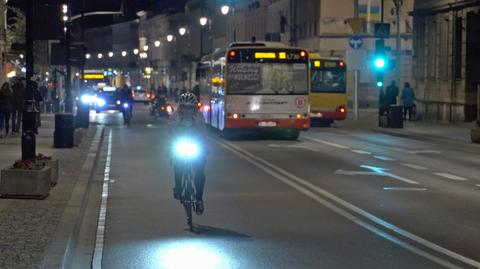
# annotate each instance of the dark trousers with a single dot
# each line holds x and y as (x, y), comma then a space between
(199, 169)
(408, 109)
(6, 116)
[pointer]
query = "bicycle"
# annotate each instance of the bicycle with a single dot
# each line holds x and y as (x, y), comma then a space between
(187, 198)
(127, 115)
(186, 152)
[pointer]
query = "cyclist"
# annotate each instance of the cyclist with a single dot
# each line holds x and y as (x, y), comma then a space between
(125, 96)
(187, 119)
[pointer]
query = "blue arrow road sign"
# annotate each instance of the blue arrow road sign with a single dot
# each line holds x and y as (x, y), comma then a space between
(355, 42)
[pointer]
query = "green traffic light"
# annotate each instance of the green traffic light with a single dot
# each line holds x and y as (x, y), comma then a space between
(379, 63)
(379, 84)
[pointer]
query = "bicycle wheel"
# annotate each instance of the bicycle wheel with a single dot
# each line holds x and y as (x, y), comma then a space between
(188, 202)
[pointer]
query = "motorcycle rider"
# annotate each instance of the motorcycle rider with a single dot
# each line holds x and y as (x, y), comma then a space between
(188, 119)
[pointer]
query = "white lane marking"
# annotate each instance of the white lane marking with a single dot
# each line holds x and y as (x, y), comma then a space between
(356, 173)
(478, 185)
(308, 189)
(299, 146)
(102, 217)
(403, 189)
(325, 142)
(383, 158)
(414, 166)
(450, 176)
(426, 151)
(376, 171)
(361, 152)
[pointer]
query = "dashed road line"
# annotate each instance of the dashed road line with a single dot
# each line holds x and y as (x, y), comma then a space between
(343, 208)
(102, 217)
(450, 176)
(361, 152)
(403, 189)
(414, 166)
(325, 142)
(383, 158)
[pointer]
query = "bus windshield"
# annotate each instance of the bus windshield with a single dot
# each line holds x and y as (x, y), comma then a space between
(267, 78)
(331, 81)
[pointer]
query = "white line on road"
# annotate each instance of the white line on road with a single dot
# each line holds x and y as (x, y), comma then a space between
(450, 176)
(325, 142)
(102, 217)
(414, 166)
(478, 185)
(356, 173)
(403, 189)
(382, 172)
(426, 151)
(309, 190)
(361, 152)
(383, 158)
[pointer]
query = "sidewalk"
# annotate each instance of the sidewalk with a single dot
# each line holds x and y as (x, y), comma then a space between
(368, 119)
(27, 226)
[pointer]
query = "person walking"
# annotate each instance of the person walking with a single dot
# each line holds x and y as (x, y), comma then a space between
(391, 94)
(408, 99)
(18, 103)
(6, 108)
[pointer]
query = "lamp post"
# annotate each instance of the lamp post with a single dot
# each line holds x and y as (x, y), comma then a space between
(225, 9)
(203, 22)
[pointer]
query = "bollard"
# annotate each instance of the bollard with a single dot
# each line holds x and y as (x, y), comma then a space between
(64, 130)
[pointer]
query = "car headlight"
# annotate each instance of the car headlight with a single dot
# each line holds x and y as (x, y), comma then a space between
(118, 102)
(101, 102)
(86, 99)
(125, 105)
(187, 149)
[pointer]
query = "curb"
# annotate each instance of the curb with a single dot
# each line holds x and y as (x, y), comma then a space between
(424, 137)
(58, 253)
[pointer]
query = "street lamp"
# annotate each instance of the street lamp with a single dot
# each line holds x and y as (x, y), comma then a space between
(124, 53)
(143, 55)
(65, 18)
(169, 38)
(203, 21)
(110, 54)
(64, 9)
(145, 48)
(135, 51)
(182, 31)
(21, 56)
(100, 56)
(225, 9)
(87, 56)
(157, 43)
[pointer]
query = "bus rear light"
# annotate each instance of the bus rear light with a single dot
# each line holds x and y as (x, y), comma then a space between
(298, 116)
(199, 105)
(341, 64)
(232, 53)
(235, 116)
(169, 109)
(303, 54)
(341, 109)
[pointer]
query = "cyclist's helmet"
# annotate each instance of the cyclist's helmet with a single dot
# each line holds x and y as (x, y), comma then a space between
(188, 99)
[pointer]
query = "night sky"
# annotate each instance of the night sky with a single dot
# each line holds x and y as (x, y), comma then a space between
(131, 7)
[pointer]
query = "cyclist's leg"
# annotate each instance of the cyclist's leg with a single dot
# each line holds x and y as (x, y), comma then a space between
(177, 167)
(199, 179)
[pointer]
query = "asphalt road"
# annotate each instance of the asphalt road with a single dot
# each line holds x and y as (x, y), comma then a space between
(336, 198)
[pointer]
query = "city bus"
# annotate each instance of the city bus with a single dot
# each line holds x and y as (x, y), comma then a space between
(328, 92)
(256, 87)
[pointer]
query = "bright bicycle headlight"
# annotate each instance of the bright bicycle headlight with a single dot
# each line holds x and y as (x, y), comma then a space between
(187, 149)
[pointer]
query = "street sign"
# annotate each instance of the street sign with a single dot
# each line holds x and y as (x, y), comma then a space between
(356, 59)
(355, 42)
(382, 30)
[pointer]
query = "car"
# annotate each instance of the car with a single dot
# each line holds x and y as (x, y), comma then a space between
(107, 98)
(140, 95)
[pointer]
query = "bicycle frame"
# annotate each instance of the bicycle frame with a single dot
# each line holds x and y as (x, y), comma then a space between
(188, 191)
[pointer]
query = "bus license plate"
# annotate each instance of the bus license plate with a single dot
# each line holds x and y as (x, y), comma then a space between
(267, 124)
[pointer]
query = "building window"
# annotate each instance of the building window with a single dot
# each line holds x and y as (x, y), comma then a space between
(419, 47)
(443, 45)
(458, 33)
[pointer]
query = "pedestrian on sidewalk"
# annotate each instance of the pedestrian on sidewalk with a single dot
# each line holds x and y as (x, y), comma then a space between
(18, 88)
(6, 108)
(382, 102)
(392, 93)
(408, 99)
